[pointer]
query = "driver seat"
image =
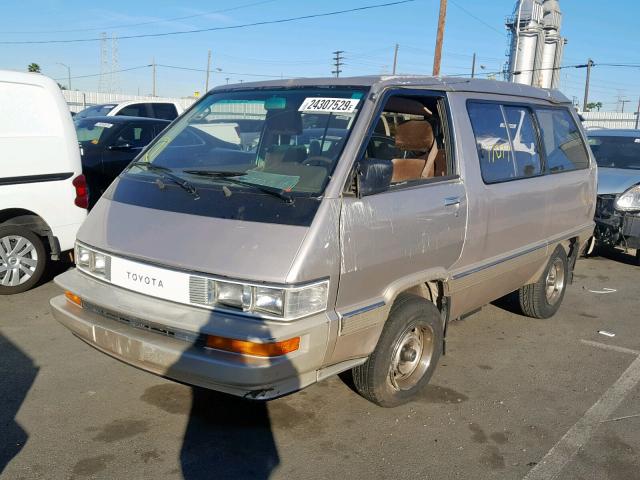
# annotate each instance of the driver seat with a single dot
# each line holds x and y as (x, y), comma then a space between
(414, 136)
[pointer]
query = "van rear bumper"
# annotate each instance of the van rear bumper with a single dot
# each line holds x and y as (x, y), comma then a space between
(184, 361)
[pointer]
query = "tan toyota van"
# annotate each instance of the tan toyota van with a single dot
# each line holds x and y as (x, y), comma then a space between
(278, 233)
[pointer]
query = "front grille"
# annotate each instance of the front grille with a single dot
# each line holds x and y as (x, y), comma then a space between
(198, 291)
(193, 338)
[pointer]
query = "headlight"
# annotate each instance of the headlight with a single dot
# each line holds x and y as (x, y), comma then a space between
(83, 256)
(288, 303)
(629, 201)
(93, 262)
(269, 300)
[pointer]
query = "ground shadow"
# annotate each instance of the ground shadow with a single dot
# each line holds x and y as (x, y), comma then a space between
(509, 303)
(17, 374)
(616, 254)
(229, 436)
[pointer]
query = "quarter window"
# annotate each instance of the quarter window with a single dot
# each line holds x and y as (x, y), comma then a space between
(563, 144)
(506, 140)
(492, 140)
(524, 141)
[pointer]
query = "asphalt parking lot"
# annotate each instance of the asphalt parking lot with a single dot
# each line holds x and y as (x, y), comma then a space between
(514, 398)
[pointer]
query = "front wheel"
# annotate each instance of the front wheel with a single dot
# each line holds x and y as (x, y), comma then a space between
(22, 259)
(406, 354)
(543, 298)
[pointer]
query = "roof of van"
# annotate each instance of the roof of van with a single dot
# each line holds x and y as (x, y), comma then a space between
(26, 77)
(449, 84)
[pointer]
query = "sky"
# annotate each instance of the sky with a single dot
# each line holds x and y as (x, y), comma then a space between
(603, 31)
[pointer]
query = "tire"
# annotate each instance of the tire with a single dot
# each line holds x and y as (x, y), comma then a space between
(21, 268)
(543, 298)
(638, 257)
(387, 378)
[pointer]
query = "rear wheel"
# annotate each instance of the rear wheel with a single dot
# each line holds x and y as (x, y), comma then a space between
(406, 354)
(22, 259)
(543, 298)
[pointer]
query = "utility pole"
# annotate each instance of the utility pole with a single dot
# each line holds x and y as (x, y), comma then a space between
(395, 58)
(586, 86)
(206, 83)
(637, 115)
(437, 58)
(623, 101)
(68, 74)
(153, 64)
(473, 66)
(337, 62)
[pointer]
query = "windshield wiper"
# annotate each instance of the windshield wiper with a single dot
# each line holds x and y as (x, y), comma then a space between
(165, 172)
(228, 177)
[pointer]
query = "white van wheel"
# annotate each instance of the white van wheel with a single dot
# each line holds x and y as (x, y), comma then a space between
(22, 259)
(406, 354)
(543, 298)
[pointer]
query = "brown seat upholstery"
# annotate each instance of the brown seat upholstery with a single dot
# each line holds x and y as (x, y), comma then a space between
(414, 136)
(440, 165)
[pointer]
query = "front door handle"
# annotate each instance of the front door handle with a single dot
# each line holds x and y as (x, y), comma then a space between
(451, 201)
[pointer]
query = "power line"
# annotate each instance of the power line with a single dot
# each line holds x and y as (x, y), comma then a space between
(150, 22)
(115, 71)
(478, 18)
(213, 29)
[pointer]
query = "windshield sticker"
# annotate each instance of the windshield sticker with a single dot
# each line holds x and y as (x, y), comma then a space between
(104, 125)
(329, 105)
(274, 180)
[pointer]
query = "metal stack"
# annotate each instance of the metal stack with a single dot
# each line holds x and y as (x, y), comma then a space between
(536, 46)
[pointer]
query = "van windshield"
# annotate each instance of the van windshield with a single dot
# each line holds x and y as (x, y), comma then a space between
(287, 140)
(616, 151)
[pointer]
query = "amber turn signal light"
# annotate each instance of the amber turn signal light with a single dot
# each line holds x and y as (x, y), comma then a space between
(251, 348)
(73, 298)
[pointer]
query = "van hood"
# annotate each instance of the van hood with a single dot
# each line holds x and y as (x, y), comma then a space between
(616, 180)
(243, 250)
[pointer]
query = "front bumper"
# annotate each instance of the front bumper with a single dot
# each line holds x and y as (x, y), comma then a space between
(145, 332)
(614, 227)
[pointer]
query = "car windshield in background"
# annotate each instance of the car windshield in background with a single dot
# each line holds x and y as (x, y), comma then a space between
(90, 131)
(95, 111)
(616, 151)
(286, 140)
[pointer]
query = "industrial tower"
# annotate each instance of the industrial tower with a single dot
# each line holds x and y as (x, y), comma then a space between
(536, 47)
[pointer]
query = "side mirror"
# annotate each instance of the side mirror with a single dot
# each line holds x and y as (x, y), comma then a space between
(120, 147)
(373, 175)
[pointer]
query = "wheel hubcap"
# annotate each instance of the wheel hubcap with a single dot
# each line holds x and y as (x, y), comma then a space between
(18, 260)
(411, 357)
(555, 281)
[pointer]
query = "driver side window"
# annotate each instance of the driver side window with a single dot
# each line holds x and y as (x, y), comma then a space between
(409, 139)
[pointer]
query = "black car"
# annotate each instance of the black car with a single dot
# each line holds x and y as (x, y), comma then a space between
(109, 144)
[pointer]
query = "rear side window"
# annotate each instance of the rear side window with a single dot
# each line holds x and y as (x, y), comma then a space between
(165, 111)
(134, 110)
(492, 140)
(524, 140)
(563, 144)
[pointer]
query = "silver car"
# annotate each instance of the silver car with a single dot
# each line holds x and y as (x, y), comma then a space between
(278, 233)
(618, 209)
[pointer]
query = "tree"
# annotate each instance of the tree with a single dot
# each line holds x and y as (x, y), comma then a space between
(594, 105)
(33, 67)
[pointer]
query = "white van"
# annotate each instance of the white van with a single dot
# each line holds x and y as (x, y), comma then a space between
(43, 194)
(150, 108)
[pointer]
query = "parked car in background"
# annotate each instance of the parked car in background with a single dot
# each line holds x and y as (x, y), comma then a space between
(43, 195)
(342, 228)
(163, 109)
(109, 144)
(618, 208)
